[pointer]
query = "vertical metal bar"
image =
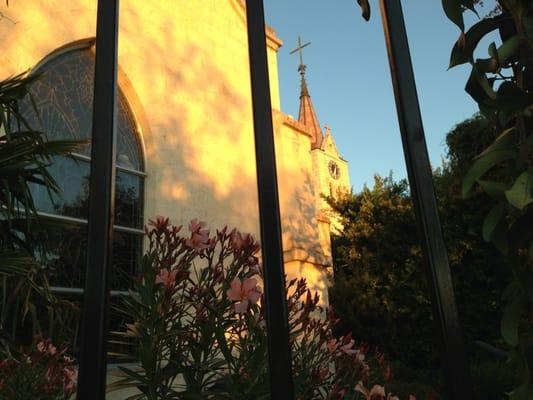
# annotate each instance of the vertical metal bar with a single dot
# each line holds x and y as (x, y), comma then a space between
(92, 372)
(425, 204)
(281, 384)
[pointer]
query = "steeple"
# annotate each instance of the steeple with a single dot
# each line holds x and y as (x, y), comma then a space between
(307, 115)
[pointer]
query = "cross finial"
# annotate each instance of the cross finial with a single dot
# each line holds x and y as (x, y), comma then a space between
(299, 49)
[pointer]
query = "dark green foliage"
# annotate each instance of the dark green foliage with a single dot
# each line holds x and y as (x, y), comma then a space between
(491, 378)
(380, 283)
(379, 290)
(26, 305)
(502, 85)
(472, 260)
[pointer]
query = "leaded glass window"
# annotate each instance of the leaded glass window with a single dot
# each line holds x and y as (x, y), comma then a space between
(63, 96)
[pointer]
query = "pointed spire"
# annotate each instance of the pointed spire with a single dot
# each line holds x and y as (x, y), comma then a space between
(307, 115)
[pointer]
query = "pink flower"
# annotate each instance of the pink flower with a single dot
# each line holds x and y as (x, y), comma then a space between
(244, 293)
(70, 388)
(377, 391)
(347, 348)
(71, 373)
(256, 269)
(199, 239)
(337, 392)
(343, 346)
(332, 345)
(166, 277)
(41, 347)
(160, 223)
(240, 241)
(52, 349)
(196, 226)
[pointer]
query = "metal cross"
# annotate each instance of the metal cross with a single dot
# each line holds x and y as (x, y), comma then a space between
(300, 48)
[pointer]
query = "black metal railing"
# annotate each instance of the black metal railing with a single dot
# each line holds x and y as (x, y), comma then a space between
(93, 360)
(92, 375)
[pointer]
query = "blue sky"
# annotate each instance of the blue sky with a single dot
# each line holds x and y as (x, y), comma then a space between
(349, 79)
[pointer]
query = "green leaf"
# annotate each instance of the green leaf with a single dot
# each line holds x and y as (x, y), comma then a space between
(501, 56)
(454, 12)
(523, 392)
(495, 190)
(509, 48)
(511, 318)
(504, 141)
(527, 22)
(463, 54)
(521, 194)
(489, 64)
(482, 166)
(493, 221)
(365, 7)
(479, 87)
(527, 145)
(510, 97)
(470, 5)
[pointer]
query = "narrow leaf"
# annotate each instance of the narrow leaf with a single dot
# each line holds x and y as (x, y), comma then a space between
(365, 8)
(521, 194)
(482, 166)
(493, 221)
(479, 87)
(511, 319)
(454, 12)
(495, 190)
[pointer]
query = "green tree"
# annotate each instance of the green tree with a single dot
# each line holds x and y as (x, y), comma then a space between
(379, 291)
(502, 85)
(380, 286)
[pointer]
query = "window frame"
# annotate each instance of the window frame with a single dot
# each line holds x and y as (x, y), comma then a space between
(88, 44)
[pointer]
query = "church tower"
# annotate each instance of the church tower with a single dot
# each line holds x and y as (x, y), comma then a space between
(330, 170)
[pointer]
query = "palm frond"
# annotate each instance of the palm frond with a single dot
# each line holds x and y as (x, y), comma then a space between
(25, 155)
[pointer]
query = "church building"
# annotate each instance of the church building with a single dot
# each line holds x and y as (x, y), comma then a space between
(185, 131)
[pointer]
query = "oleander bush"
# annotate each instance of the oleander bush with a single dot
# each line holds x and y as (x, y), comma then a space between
(197, 328)
(39, 372)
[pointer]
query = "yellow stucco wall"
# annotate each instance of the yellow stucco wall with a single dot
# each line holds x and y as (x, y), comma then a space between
(184, 69)
(326, 184)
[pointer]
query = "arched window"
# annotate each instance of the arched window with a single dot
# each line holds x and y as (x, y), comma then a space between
(63, 95)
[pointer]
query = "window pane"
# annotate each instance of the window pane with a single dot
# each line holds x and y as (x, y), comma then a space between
(73, 179)
(63, 96)
(67, 253)
(66, 258)
(127, 249)
(128, 200)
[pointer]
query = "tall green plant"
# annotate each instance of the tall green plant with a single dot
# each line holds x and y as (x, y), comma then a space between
(502, 85)
(25, 155)
(196, 321)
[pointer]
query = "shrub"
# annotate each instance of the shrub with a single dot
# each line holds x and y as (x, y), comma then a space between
(198, 331)
(41, 372)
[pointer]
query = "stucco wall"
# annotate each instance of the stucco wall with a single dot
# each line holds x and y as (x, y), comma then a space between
(184, 69)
